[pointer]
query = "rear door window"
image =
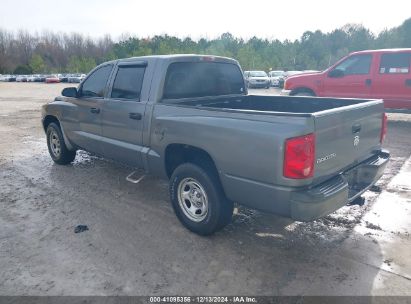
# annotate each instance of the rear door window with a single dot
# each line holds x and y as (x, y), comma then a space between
(397, 63)
(128, 82)
(95, 84)
(199, 79)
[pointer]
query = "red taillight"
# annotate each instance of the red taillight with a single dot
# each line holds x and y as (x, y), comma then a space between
(383, 127)
(299, 157)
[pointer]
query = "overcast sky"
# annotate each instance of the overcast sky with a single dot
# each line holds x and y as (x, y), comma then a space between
(275, 19)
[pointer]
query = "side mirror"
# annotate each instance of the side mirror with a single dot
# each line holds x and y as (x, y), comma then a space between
(70, 92)
(337, 73)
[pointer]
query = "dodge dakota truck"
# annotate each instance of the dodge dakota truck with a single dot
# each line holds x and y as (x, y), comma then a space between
(190, 119)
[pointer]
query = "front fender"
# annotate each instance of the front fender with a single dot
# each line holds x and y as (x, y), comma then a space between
(53, 111)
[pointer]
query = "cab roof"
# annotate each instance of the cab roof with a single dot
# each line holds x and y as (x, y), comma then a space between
(383, 51)
(177, 57)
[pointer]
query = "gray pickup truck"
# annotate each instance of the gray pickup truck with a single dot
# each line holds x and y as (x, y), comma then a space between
(189, 118)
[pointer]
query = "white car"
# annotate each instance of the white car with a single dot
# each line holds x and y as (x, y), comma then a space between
(5, 78)
(257, 79)
(275, 77)
(292, 73)
(76, 78)
(32, 78)
(21, 78)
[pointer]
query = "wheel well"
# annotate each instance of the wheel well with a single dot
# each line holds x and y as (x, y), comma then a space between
(48, 120)
(302, 90)
(177, 154)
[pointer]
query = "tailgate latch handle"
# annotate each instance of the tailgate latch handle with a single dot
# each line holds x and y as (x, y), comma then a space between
(356, 128)
(95, 110)
(408, 82)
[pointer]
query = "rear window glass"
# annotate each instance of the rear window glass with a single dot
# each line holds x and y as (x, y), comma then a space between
(199, 79)
(398, 63)
(258, 74)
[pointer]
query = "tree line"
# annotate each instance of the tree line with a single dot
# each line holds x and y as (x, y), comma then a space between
(22, 52)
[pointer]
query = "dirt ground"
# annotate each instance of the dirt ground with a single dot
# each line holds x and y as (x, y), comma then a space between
(136, 246)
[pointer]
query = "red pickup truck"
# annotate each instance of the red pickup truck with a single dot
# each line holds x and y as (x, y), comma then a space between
(382, 74)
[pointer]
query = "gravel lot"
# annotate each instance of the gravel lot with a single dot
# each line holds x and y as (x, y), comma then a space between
(136, 246)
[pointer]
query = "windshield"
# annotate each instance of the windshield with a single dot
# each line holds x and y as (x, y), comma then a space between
(258, 74)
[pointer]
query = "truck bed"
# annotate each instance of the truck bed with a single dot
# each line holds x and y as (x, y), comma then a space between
(347, 130)
(277, 104)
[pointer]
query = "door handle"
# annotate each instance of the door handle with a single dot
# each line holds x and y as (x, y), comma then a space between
(408, 82)
(368, 82)
(95, 110)
(135, 116)
(356, 128)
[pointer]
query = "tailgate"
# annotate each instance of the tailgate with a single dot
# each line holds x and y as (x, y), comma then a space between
(346, 136)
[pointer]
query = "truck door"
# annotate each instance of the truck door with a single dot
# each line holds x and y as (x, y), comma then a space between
(393, 80)
(351, 78)
(85, 126)
(123, 114)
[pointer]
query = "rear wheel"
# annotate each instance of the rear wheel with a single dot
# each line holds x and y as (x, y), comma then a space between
(57, 147)
(304, 93)
(198, 199)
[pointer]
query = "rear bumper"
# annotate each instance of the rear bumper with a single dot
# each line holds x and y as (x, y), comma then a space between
(307, 203)
(258, 84)
(321, 200)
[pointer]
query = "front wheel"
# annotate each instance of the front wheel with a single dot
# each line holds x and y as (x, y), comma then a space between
(198, 199)
(57, 147)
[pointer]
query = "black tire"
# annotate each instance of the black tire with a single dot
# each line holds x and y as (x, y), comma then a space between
(64, 156)
(219, 211)
(304, 94)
